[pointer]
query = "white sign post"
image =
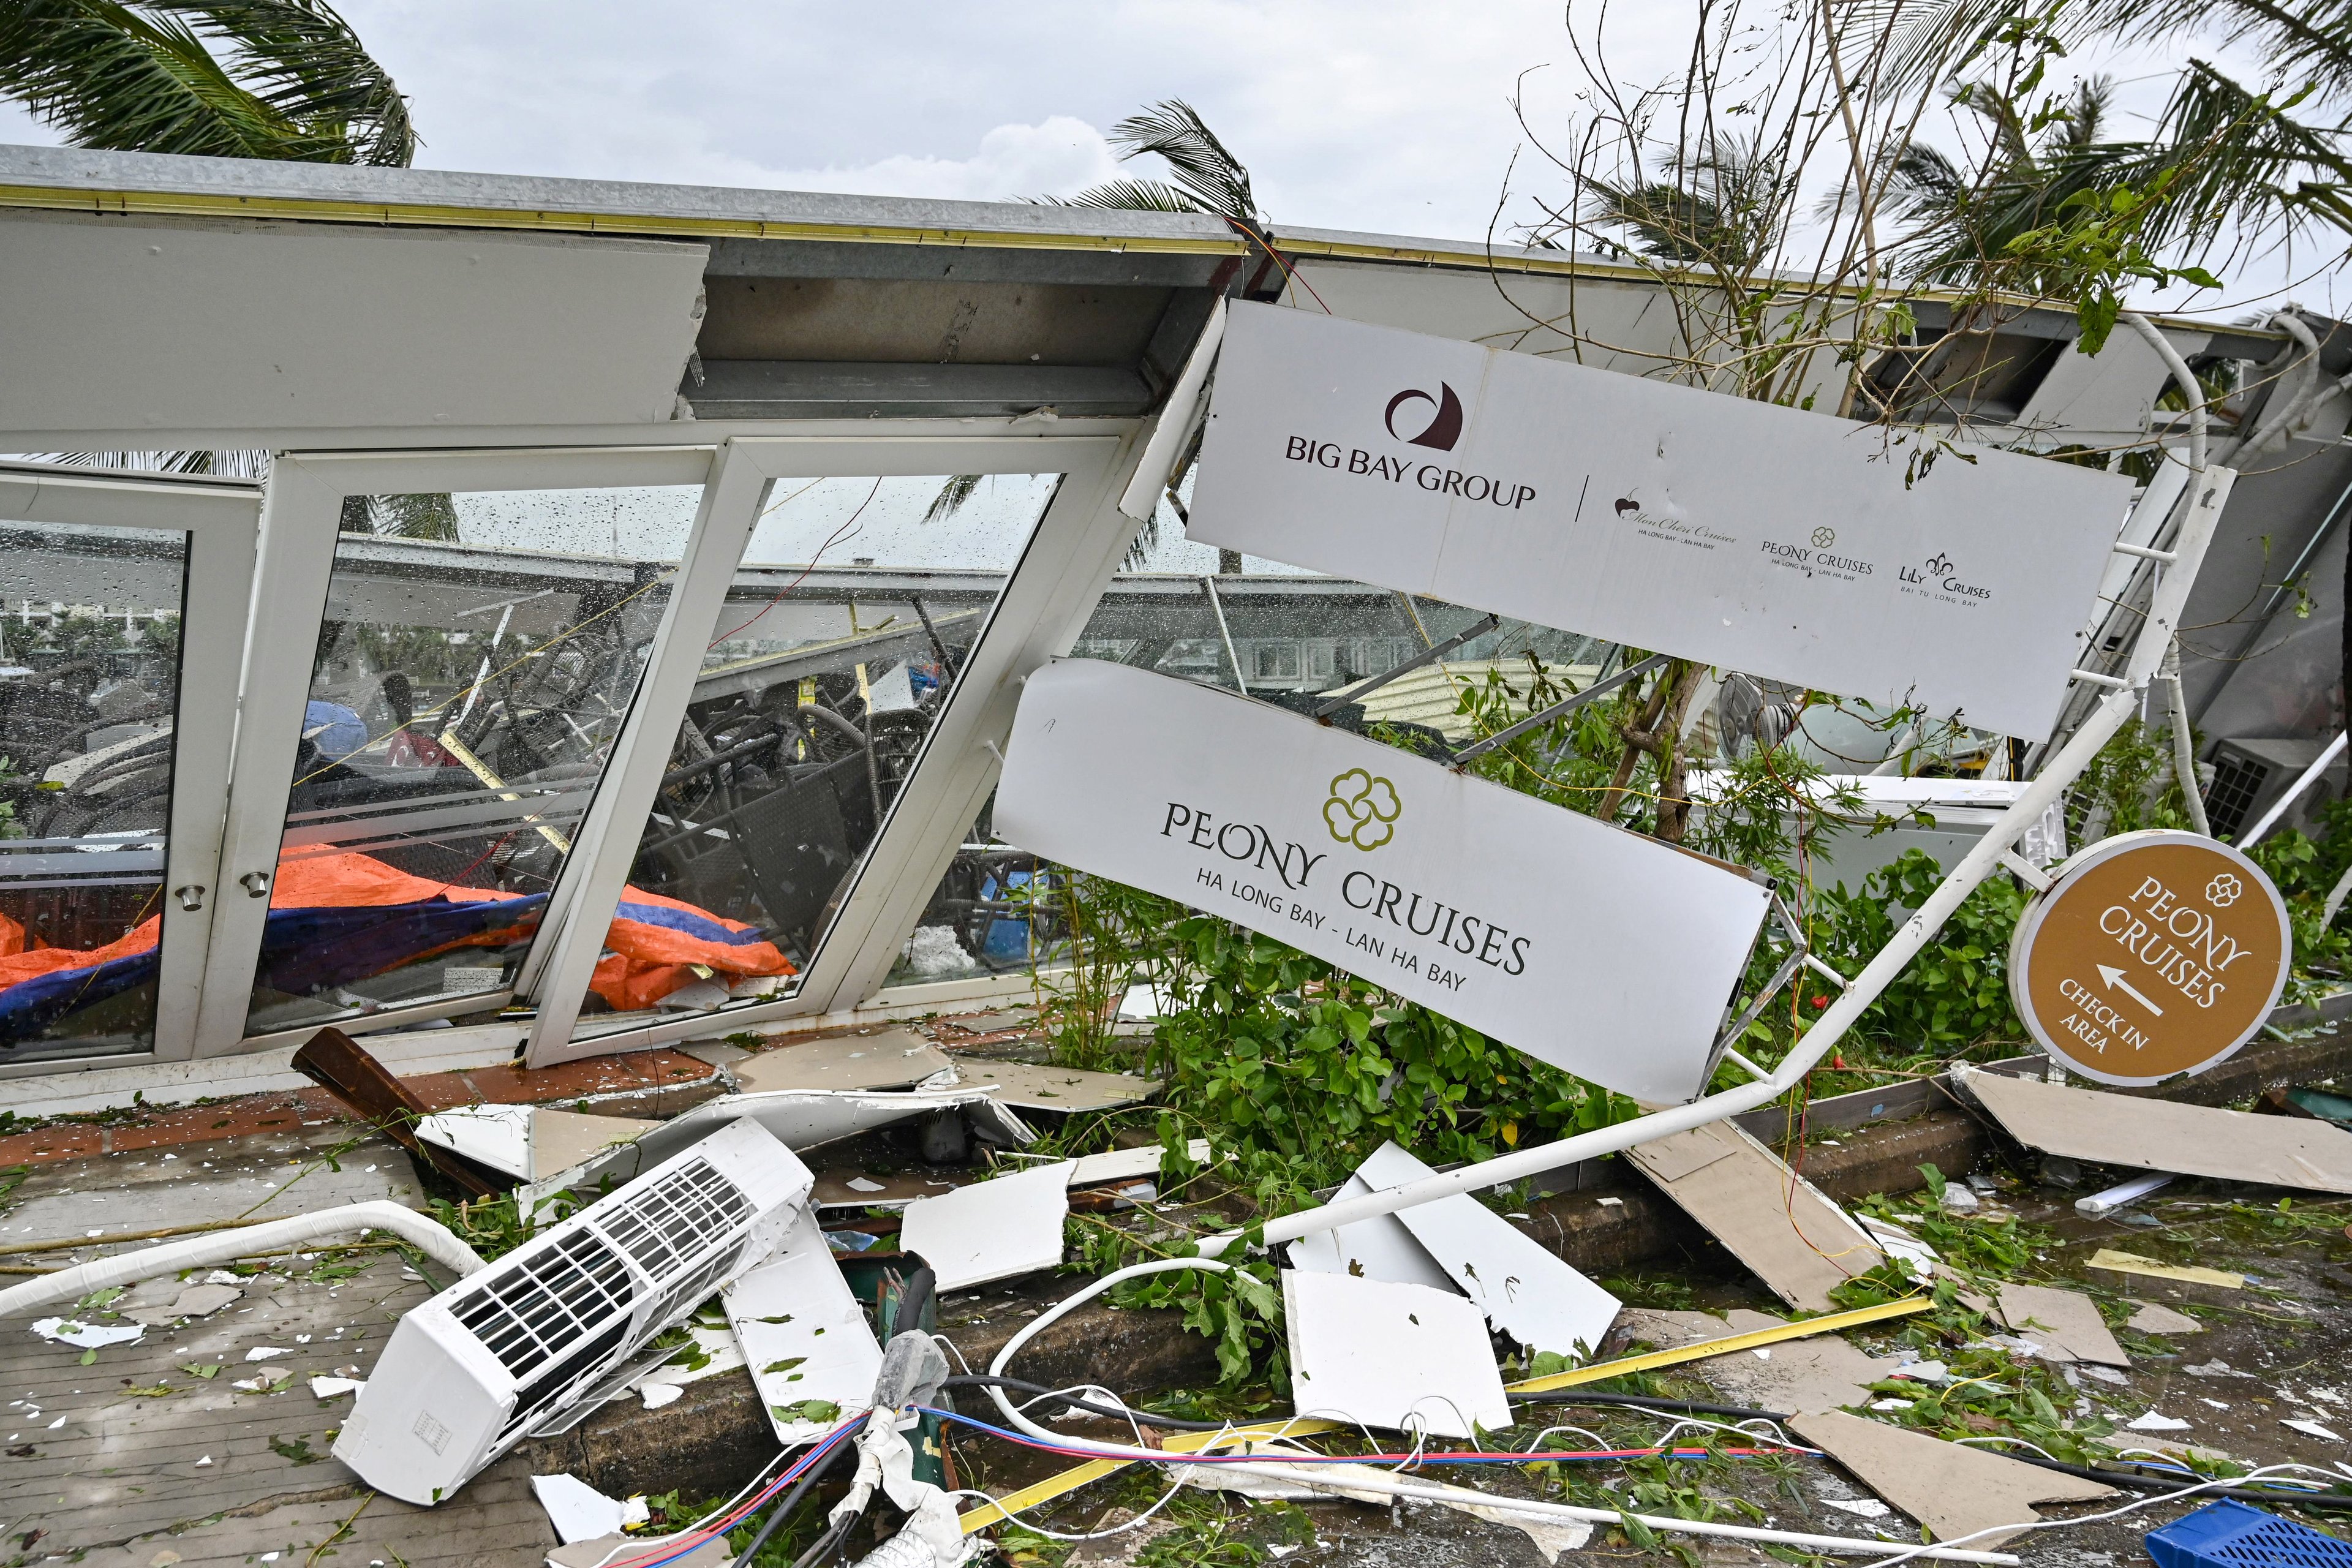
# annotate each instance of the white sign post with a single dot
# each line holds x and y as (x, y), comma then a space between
(1784, 544)
(1586, 946)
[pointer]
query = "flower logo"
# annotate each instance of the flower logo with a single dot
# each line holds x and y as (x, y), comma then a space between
(1362, 809)
(2223, 891)
(1824, 537)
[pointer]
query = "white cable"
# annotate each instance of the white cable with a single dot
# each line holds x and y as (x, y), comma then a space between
(427, 1235)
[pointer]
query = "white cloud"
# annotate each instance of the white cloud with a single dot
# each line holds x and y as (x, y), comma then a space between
(1060, 156)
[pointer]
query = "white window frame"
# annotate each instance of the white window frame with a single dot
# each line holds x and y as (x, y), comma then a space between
(1067, 558)
(221, 519)
(301, 517)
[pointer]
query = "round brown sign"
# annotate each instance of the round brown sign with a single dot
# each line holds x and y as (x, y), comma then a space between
(2154, 955)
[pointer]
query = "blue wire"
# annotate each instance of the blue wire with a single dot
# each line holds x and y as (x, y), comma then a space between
(825, 1447)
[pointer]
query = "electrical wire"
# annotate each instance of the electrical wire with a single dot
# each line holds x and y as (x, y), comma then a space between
(732, 1514)
(1118, 1412)
(1416, 1458)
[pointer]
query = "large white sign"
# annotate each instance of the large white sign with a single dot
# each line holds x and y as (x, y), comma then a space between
(1787, 545)
(1594, 949)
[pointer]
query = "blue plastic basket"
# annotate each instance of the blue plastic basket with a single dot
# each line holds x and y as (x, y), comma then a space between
(2230, 1535)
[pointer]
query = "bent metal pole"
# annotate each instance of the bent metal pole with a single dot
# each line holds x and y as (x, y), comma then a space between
(2207, 493)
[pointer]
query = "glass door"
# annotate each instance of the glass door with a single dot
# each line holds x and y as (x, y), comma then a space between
(458, 643)
(126, 603)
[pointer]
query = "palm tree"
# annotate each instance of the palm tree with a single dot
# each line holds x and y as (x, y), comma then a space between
(2225, 160)
(224, 78)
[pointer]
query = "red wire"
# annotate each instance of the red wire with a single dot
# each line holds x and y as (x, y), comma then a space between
(831, 540)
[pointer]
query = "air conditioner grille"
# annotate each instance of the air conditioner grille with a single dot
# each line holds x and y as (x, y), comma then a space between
(528, 1314)
(665, 1227)
(686, 1296)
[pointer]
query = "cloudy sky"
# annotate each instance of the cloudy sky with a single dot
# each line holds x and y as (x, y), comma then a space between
(1364, 114)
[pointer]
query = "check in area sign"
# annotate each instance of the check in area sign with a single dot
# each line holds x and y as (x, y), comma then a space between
(1587, 946)
(2154, 955)
(1784, 544)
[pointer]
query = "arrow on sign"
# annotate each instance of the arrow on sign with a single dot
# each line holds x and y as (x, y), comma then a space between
(2116, 982)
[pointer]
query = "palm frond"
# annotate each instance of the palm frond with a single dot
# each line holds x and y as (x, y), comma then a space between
(296, 83)
(1134, 197)
(951, 497)
(1203, 166)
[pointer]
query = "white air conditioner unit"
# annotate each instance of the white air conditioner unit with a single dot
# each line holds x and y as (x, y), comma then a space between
(504, 1352)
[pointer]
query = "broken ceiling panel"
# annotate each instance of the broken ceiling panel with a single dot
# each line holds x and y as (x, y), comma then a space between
(1954, 1490)
(2066, 1322)
(2164, 1135)
(1820, 1373)
(893, 1059)
(1029, 1087)
(799, 1118)
(991, 1230)
(1402, 1357)
(1531, 1295)
(803, 1335)
(1781, 1226)
(1376, 1249)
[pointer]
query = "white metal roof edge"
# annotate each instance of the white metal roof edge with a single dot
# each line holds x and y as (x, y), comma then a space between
(160, 182)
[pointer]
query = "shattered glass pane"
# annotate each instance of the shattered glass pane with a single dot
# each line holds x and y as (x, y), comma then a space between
(90, 695)
(857, 602)
(476, 660)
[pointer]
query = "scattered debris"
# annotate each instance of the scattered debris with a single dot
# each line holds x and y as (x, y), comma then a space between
(2132, 1263)
(616, 1548)
(990, 1230)
(803, 1334)
(2154, 1422)
(1794, 1239)
(1027, 1087)
(1376, 1249)
(2153, 1318)
(580, 1512)
(1121, 1164)
(1952, 1488)
(1318, 1483)
(89, 1336)
(2310, 1429)
(2066, 1322)
(2192, 1140)
(798, 1119)
(851, 1189)
(1525, 1291)
(657, 1395)
(336, 1387)
(1819, 1373)
(1402, 1357)
(338, 1064)
(2100, 1204)
(892, 1058)
(192, 1301)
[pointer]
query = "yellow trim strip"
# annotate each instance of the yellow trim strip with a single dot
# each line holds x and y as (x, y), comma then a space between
(1804, 1327)
(1071, 1479)
(198, 205)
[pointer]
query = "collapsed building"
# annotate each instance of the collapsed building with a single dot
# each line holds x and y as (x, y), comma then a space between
(618, 651)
